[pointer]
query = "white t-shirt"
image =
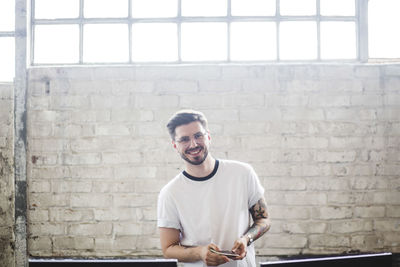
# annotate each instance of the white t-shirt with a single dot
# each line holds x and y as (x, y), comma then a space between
(213, 209)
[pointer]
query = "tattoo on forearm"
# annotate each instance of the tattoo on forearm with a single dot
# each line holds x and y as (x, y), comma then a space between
(260, 215)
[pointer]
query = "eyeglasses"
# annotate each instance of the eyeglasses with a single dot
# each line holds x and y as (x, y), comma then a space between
(198, 137)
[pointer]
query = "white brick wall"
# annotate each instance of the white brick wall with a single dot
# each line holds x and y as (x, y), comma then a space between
(324, 140)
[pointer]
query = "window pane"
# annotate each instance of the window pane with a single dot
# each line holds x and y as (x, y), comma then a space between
(298, 40)
(154, 42)
(7, 59)
(253, 7)
(154, 8)
(338, 7)
(105, 43)
(383, 28)
(338, 40)
(253, 41)
(297, 7)
(52, 9)
(56, 44)
(204, 41)
(204, 8)
(7, 17)
(105, 8)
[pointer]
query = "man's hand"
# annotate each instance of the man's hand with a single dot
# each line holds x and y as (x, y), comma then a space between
(240, 247)
(210, 258)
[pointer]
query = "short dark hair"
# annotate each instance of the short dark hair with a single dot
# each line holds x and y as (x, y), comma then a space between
(183, 117)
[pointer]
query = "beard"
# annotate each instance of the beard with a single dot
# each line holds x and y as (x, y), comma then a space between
(198, 159)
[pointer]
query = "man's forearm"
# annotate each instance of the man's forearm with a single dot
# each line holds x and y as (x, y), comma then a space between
(183, 254)
(259, 227)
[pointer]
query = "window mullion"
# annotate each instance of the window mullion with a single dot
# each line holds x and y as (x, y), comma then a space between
(362, 29)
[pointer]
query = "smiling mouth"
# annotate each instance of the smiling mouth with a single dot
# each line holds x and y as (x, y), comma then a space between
(194, 151)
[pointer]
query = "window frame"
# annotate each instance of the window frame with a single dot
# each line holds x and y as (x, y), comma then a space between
(359, 18)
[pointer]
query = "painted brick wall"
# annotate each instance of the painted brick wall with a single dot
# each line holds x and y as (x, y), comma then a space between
(324, 140)
(7, 239)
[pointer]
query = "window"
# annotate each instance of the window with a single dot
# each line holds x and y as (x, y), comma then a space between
(181, 31)
(7, 40)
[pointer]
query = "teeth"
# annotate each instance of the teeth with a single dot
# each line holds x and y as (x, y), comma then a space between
(194, 151)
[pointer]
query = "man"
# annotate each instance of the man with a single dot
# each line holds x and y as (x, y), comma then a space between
(206, 208)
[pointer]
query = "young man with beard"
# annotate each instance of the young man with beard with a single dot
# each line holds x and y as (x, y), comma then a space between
(206, 208)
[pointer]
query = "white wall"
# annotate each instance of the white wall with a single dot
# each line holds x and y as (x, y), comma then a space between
(324, 140)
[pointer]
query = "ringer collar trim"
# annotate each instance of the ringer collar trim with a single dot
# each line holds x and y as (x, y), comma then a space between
(201, 179)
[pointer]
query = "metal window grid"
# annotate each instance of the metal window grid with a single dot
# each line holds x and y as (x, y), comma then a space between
(360, 19)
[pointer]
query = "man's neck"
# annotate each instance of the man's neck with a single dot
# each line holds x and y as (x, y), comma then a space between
(201, 170)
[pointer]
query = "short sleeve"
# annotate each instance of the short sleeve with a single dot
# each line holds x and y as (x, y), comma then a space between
(167, 214)
(254, 187)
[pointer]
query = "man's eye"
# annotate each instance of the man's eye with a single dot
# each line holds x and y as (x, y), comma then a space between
(183, 140)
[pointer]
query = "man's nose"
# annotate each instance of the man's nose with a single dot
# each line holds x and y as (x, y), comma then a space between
(193, 142)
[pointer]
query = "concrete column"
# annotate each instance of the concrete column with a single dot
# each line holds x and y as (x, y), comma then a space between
(21, 258)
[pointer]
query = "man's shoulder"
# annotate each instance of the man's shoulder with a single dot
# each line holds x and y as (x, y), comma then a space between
(234, 164)
(171, 184)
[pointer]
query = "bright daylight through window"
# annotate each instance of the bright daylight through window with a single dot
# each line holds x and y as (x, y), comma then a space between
(7, 40)
(181, 31)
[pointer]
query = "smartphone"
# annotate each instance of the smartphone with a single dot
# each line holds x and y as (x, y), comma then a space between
(227, 253)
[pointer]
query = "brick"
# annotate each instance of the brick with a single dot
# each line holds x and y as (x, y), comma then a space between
(244, 100)
(332, 213)
(286, 241)
(386, 225)
(201, 101)
(350, 226)
(329, 101)
(116, 214)
(251, 115)
(43, 229)
(367, 100)
(91, 172)
(90, 229)
(346, 142)
(366, 242)
(305, 142)
(305, 198)
(68, 102)
(332, 156)
(303, 114)
(108, 102)
(328, 241)
(288, 212)
(40, 243)
(393, 211)
(73, 243)
(286, 100)
(70, 215)
(295, 184)
(156, 101)
(81, 159)
(327, 184)
(369, 212)
(45, 200)
(129, 115)
(71, 186)
(112, 129)
(183, 87)
(305, 227)
(38, 215)
(121, 158)
(86, 200)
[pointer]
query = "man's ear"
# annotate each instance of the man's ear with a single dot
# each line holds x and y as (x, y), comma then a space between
(174, 144)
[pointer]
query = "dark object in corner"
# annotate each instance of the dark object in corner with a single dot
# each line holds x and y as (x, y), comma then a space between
(364, 260)
(102, 263)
